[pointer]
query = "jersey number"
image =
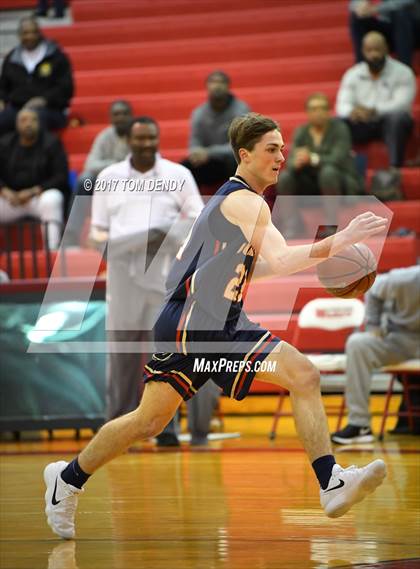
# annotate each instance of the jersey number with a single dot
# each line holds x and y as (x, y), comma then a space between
(234, 288)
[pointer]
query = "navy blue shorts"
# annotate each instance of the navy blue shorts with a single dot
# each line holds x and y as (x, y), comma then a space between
(185, 339)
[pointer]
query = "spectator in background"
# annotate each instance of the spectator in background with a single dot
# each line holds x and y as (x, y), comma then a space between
(110, 146)
(320, 163)
(43, 5)
(392, 335)
(134, 224)
(210, 156)
(36, 74)
(375, 99)
(33, 175)
(397, 20)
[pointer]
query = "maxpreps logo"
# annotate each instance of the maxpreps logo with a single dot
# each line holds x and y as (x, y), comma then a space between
(228, 366)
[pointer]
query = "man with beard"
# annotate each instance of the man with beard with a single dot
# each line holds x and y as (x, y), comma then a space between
(375, 98)
(210, 156)
(110, 146)
(36, 74)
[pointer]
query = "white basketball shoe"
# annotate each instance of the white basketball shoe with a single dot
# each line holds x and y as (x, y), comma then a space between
(347, 486)
(60, 500)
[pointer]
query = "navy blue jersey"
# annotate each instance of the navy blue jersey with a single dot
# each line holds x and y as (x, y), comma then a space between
(202, 319)
(215, 263)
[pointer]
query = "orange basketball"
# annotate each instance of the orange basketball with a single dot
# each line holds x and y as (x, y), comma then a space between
(350, 273)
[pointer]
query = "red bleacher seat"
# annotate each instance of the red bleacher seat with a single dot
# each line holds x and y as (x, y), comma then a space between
(410, 182)
(217, 24)
(86, 10)
(406, 214)
(178, 105)
(16, 4)
(195, 50)
(78, 263)
(24, 235)
(377, 153)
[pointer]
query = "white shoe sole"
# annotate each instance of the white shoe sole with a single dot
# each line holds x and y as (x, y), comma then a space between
(372, 478)
(51, 472)
(353, 440)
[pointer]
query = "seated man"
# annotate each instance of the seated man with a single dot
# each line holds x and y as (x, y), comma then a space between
(210, 156)
(33, 175)
(320, 162)
(35, 74)
(394, 298)
(397, 20)
(110, 146)
(375, 98)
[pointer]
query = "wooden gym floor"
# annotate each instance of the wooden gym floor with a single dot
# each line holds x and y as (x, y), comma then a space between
(245, 503)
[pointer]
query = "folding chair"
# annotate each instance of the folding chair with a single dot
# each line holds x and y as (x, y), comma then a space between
(329, 315)
(402, 372)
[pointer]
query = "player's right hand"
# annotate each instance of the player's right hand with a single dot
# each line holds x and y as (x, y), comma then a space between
(364, 226)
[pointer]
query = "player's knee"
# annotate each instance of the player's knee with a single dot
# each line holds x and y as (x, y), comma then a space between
(307, 379)
(311, 379)
(150, 428)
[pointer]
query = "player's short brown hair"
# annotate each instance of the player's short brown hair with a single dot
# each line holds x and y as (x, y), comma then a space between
(247, 130)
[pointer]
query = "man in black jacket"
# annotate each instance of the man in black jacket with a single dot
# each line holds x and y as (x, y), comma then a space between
(36, 74)
(33, 175)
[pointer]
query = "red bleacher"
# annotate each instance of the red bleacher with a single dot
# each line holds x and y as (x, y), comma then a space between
(225, 21)
(88, 10)
(16, 4)
(158, 54)
(73, 263)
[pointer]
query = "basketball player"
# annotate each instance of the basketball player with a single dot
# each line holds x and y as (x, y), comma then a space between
(232, 239)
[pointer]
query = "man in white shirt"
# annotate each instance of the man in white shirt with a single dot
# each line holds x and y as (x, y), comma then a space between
(143, 207)
(375, 99)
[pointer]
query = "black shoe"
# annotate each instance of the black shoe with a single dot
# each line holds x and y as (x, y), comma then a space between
(167, 440)
(353, 434)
